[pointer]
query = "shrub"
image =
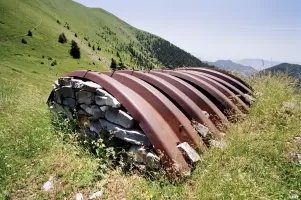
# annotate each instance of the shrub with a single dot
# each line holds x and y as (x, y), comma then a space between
(24, 41)
(58, 21)
(75, 35)
(43, 56)
(98, 48)
(62, 38)
(89, 44)
(49, 58)
(42, 63)
(54, 63)
(75, 50)
(113, 64)
(93, 48)
(29, 33)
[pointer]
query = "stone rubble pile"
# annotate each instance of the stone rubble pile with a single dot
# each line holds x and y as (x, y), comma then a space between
(95, 111)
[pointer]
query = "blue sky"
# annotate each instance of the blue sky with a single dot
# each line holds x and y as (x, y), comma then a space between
(218, 29)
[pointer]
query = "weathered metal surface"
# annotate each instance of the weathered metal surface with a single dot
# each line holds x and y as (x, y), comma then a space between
(163, 139)
(188, 107)
(223, 76)
(171, 114)
(228, 93)
(223, 100)
(195, 95)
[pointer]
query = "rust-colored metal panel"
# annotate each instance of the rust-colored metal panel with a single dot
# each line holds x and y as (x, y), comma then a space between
(235, 90)
(223, 76)
(163, 139)
(195, 95)
(227, 103)
(186, 104)
(171, 114)
(228, 93)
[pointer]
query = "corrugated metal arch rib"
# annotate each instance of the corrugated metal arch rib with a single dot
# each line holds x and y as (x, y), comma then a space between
(185, 103)
(229, 105)
(223, 76)
(228, 93)
(154, 126)
(195, 95)
(171, 114)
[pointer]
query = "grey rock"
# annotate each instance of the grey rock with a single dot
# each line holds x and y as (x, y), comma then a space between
(102, 92)
(95, 195)
(57, 108)
(66, 92)
(85, 97)
(48, 185)
(119, 117)
(86, 108)
(56, 84)
(131, 136)
(77, 84)
(90, 86)
(104, 108)
(68, 113)
(65, 81)
(296, 158)
(152, 161)
(189, 152)
(101, 100)
(93, 110)
(82, 112)
(202, 130)
(57, 96)
(88, 135)
(137, 154)
(71, 103)
(249, 97)
(111, 101)
(218, 144)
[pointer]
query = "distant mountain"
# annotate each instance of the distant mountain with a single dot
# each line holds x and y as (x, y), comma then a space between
(258, 64)
(234, 67)
(293, 70)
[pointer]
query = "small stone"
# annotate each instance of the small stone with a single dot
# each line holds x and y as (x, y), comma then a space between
(111, 101)
(189, 152)
(48, 185)
(77, 84)
(85, 97)
(202, 130)
(249, 97)
(218, 144)
(96, 127)
(206, 114)
(68, 113)
(258, 94)
(79, 196)
(86, 108)
(65, 81)
(90, 86)
(119, 117)
(137, 154)
(57, 96)
(102, 92)
(95, 195)
(152, 161)
(66, 92)
(289, 105)
(71, 103)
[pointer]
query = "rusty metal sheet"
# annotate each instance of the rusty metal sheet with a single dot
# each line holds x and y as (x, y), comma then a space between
(228, 93)
(163, 139)
(195, 95)
(171, 114)
(223, 76)
(187, 106)
(227, 103)
(235, 90)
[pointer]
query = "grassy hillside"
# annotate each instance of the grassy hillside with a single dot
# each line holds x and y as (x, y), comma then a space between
(257, 163)
(292, 70)
(110, 36)
(228, 65)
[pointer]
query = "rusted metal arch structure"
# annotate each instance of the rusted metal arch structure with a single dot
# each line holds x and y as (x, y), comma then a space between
(164, 102)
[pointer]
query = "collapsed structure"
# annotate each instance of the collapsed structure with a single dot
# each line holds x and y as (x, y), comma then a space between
(168, 117)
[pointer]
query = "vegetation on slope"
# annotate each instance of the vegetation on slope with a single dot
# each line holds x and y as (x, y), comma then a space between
(292, 70)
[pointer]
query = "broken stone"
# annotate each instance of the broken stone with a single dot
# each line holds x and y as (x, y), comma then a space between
(218, 144)
(90, 86)
(131, 136)
(189, 152)
(202, 130)
(79, 196)
(95, 195)
(107, 100)
(66, 92)
(85, 97)
(57, 96)
(152, 161)
(102, 92)
(71, 103)
(94, 110)
(77, 84)
(119, 117)
(65, 81)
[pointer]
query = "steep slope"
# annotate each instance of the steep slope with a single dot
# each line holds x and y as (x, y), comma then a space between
(94, 27)
(292, 70)
(234, 67)
(258, 64)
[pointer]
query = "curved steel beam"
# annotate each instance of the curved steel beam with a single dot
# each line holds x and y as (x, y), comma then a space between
(195, 95)
(229, 105)
(185, 103)
(159, 133)
(171, 114)
(223, 76)
(228, 93)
